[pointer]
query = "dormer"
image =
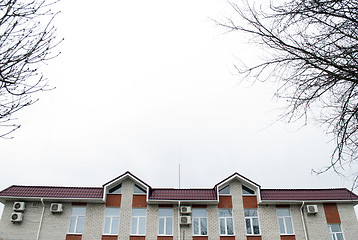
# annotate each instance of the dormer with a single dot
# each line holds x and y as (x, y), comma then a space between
(248, 187)
(115, 186)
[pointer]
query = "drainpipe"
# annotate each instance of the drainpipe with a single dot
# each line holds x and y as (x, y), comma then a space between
(303, 220)
(42, 216)
(178, 220)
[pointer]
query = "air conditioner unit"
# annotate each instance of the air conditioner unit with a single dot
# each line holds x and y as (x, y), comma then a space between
(312, 209)
(185, 220)
(16, 217)
(19, 206)
(56, 207)
(185, 209)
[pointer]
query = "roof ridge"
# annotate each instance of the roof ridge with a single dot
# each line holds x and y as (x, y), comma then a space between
(53, 187)
(183, 189)
(301, 189)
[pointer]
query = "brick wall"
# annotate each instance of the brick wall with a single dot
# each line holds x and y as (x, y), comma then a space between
(152, 222)
(317, 225)
(213, 222)
(268, 222)
(55, 225)
(297, 222)
(94, 221)
(27, 229)
(126, 209)
(349, 221)
(238, 210)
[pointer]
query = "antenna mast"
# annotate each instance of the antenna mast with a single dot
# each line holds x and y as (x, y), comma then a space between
(179, 169)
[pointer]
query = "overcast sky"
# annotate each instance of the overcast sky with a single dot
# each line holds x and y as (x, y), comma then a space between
(143, 85)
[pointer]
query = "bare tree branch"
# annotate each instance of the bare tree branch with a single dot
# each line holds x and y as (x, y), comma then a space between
(313, 54)
(27, 41)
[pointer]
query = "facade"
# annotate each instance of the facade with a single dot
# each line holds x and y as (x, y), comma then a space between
(127, 208)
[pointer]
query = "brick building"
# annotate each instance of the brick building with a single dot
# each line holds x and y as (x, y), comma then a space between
(127, 208)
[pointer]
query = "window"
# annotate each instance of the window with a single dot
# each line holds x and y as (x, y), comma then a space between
(335, 232)
(200, 225)
(77, 220)
(247, 191)
(138, 221)
(226, 222)
(225, 190)
(116, 190)
(111, 220)
(138, 190)
(165, 221)
(252, 222)
(284, 220)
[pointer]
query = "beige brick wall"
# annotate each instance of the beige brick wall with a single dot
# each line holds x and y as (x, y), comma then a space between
(297, 222)
(55, 225)
(268, 222)
(27, 229)
(349, 221)
(317, 225)
(94, 221)
(175, 221)
(126, 209)
(152, 222)
(213, 222)
(238, 210)
(186, 230)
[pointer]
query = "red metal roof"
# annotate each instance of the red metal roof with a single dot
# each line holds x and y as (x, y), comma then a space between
(52, 192)
(307, 194)
(183, 194)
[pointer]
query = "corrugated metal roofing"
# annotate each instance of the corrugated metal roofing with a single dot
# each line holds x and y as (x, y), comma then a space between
(183, 194)
(177, 194)
(52, 192)
(307, 194)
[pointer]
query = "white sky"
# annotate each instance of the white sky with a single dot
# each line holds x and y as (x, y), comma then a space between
(142, 84)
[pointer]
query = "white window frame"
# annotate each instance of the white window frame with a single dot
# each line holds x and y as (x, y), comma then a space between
(111, 217)
(247, 194)
(76, 217)
(225, 194)
(199, 222)
(226, 224)
(117, 189)
(141, 190)
(138, 218)
(164, 218)
(251, 218)
(284, 222)
(333, 235)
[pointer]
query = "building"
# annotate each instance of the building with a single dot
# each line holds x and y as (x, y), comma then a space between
(127, 208)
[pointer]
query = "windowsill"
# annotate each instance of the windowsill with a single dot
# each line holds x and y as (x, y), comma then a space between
(291, 234)
(79, 234)
(227, 235)
(253, 235)
(110, 234)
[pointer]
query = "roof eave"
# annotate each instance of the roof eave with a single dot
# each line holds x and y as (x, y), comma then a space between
(3, 199)
(276, 202)
(176, 201)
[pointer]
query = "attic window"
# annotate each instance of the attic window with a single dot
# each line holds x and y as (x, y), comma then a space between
(225, 190)
(138, 190)
(247, 191)
(116, 190)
